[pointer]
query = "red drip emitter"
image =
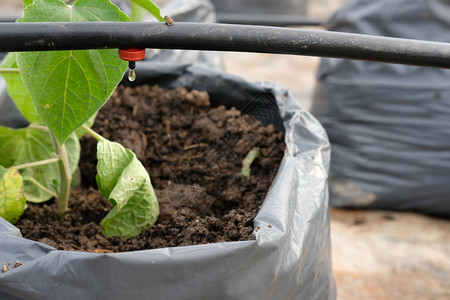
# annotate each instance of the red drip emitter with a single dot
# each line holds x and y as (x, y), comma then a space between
(132, 55)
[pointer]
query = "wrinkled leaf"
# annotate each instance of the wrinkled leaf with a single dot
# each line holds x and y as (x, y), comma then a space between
(18, 91)
(68, 87)
(12, 199)
(248, 160)
(25, 145)
(151, 8)
(123, 180)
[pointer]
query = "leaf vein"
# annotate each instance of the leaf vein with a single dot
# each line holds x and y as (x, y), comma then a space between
(88, 82)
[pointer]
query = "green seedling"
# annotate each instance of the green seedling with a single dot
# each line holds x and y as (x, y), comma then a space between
(248, 160)
(59, 93)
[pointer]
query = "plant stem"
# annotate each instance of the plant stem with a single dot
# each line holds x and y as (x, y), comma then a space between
(92, 133)
(9, 71)
(66, 180)
(65, 176)
(39, 127)
(39, 185)
(37, 163)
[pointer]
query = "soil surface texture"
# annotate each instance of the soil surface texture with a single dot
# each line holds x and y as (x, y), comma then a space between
(193, 154)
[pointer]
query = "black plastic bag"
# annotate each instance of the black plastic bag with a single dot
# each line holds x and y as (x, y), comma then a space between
(389, 125)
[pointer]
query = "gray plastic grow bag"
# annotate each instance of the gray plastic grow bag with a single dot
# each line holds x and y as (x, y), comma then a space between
(289, 260)
(281, 7)
(389, 125)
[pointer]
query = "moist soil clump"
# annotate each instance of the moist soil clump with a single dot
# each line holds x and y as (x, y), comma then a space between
(193, 153)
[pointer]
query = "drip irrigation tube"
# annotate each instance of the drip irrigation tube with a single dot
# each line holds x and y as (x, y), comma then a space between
(220, 37)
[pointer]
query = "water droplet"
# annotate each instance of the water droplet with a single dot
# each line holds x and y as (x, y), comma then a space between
(131, 75)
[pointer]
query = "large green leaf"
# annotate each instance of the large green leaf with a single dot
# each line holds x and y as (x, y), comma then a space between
(22, 98)
(150, 7)
(123, 180)
(26, 145)
(12, 200)
(68, 87)
(18, 91)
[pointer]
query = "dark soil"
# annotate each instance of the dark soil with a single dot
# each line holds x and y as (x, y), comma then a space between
(193, 154)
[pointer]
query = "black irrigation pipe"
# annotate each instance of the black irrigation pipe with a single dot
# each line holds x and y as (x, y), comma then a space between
(269, 19)
(221, 37)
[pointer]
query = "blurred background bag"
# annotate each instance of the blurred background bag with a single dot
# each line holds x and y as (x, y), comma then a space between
(389, 125)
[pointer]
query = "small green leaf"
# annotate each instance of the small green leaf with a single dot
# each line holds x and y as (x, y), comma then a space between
(123, 180)
(137, 13)
(26, 145)
(12, 199)
(248, 160)
(27, 2)
(18, 91)
(68, 87)
(151, 8)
